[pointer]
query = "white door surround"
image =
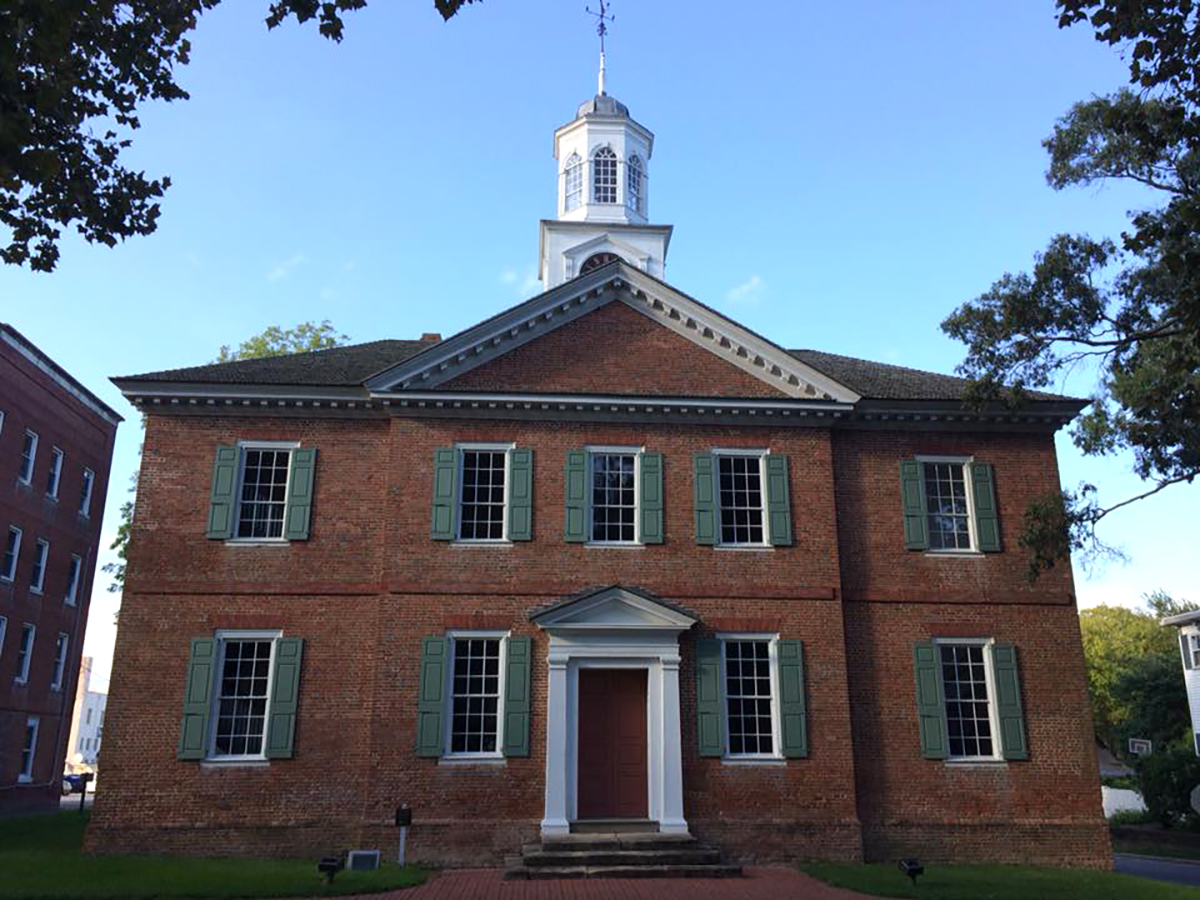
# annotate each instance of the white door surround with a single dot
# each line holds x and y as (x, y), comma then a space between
(614, 628)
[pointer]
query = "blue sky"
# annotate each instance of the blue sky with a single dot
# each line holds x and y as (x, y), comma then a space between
(840, 176)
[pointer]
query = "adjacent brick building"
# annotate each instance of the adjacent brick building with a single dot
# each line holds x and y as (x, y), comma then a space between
(606, 555)
(56, 444)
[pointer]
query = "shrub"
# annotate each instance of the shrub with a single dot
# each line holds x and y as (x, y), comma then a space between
(1167, 778)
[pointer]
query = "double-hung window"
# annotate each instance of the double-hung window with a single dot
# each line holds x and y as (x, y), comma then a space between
(262, 498)
(614, 495)
(1194, 640)
(54, 476)
(949, 505)
(474, 726)
(28, 457)
(243, 695)
(74, 573)
(12, 552)
(749, 680)
(967, 687)
(85, 493)
(740, 496)
(25, 652)
(483, 492)
(29, 750)
(3, 631)
(41, 554)
(60, 661)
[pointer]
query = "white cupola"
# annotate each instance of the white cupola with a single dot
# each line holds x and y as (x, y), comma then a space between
(603, 158)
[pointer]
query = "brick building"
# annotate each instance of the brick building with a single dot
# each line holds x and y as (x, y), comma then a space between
(605, 555)
(56, 444)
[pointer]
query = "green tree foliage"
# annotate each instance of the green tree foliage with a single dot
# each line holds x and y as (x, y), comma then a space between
(1130, 307)
(273, 341)
(73, 74)
(1166, 778)
(1153, 692)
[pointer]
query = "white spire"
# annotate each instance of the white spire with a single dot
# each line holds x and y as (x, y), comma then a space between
(601, 72)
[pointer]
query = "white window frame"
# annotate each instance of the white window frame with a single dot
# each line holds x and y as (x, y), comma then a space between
(56, 463)
(74, 576)
(3, 633)
(573, 170)
(26, 774)
(493, 447)
(448, 729)
(968, 489)
(27, 477)
(609, 153)
(222, 637)
(25, 652)
(772, 639)
(89, 485)
(11, 574)
(1194, 645)
(989, 676)
(762, 455)
(61, 646)
(41, 560)
(636, 453)
(635, 176)
(243, 446)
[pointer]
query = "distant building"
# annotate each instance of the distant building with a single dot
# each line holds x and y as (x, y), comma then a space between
(1188, 624)
(56, 445)
(87, 725)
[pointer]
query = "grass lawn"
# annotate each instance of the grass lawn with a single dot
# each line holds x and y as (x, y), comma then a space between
(40, 858)
(946, 882)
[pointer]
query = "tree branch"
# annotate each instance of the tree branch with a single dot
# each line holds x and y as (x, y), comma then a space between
(1100, 514)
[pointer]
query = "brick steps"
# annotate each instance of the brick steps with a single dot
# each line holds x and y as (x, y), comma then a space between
(619, 855)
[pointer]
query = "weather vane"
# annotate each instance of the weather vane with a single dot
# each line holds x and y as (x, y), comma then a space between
(602, 20)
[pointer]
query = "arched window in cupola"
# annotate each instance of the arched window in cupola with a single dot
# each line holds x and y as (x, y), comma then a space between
(573, 183)
(634, 179)
(604, 176)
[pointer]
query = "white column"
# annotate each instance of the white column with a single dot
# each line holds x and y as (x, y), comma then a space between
(554, 822)
(672, 821)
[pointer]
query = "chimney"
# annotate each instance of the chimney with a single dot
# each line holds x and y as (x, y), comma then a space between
(431, 336)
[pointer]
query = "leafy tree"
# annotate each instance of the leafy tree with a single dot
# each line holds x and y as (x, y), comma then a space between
(1151, 688)
(73, 74)
(273, 341)
(1166, 778)
(1131, 308)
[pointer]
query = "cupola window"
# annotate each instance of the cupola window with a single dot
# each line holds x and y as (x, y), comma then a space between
(573, 187)
(604, 176)
(633, 183)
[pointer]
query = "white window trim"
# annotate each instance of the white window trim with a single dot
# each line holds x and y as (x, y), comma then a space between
(23, 674)
(508, 448)
(11, 574)
(990, 680)
(762, 455)
(3, 633)
(38, 586)
(85, 502)
(74, 565)
(211, 755)
(1195, 650)
(636, 453)
(772, 639)
(969, 490)
(448, 728)
(56, 466)
(28, 479)
(242, 447)
(26, 774)
(60, 662)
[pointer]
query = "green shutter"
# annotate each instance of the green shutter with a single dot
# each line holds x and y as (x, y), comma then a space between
(445, 495)
(516, 698)
(652, 498)
(222, 501)
(710, 727)
(300, 494)
(431, 707)
(794, 740)
(779, 504)
(197, 699)
(520, 496)
(575, 488)
(912, 488)
(1013, 742)
(705, 500)
(931, 711)
(285, 698)
(987, 517)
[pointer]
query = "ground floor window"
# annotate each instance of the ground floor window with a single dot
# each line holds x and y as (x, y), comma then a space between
(475, 691)
(966, 686)
(243, 695)
(750, 696)
(29, 749)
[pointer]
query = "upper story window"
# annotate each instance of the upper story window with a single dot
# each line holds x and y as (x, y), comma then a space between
(262, 491)
(634, 177)
(262, 500)
(573, 183)
(482, 499)
(25, 652)
(41, 553)
(482, 493)
(54, 476)
(60, 661)
(74, 572)
(614, 496)
(29, 750)
(948, 505)
(12, 552)
(604, 176)
(85, 493)
(740, 496)
(28, 457)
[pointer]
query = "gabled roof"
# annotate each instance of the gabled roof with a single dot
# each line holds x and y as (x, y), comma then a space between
(613, 607)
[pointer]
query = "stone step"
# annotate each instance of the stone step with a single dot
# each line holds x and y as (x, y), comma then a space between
(633, 841)
(613, 826)
(697, 855)
(514, 871)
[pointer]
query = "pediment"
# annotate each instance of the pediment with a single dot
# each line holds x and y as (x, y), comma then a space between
(616, 282)
(612, 608)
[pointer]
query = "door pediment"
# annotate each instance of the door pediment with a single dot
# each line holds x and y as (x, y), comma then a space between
(612, 608)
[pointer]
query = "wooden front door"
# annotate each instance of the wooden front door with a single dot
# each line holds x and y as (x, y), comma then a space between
(612, 744)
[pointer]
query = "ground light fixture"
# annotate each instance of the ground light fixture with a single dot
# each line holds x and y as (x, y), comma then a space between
(912, 868)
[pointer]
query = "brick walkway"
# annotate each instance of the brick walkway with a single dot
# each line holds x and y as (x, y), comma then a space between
(758, 884)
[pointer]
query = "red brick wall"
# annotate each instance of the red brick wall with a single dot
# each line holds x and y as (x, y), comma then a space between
(627, 353)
